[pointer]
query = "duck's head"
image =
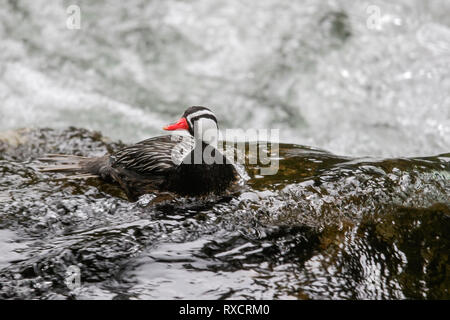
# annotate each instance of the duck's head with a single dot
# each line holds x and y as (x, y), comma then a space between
(200, 122)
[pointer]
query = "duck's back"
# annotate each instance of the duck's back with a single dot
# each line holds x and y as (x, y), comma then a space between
(166, 163)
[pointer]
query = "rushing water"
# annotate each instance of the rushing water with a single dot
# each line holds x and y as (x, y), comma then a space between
(370, 223)
(323, 227)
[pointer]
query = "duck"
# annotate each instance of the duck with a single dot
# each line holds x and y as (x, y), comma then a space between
(186, 165)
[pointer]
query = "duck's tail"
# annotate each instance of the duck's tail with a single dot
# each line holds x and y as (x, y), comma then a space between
(81, 167)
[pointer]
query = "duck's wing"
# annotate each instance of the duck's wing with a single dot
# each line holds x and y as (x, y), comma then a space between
(154, 156)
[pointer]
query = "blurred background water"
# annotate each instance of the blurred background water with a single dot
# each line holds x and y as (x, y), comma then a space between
(355, 78)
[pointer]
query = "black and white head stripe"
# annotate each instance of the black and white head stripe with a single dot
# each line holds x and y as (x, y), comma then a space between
(194, 113)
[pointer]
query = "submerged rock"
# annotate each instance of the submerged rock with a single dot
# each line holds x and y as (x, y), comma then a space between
(323, 226)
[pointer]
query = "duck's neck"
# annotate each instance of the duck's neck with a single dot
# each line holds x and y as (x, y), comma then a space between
(205, 143)
(206, 133)
(202, 152)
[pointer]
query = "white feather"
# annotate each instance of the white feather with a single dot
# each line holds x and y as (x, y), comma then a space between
(206, 130)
